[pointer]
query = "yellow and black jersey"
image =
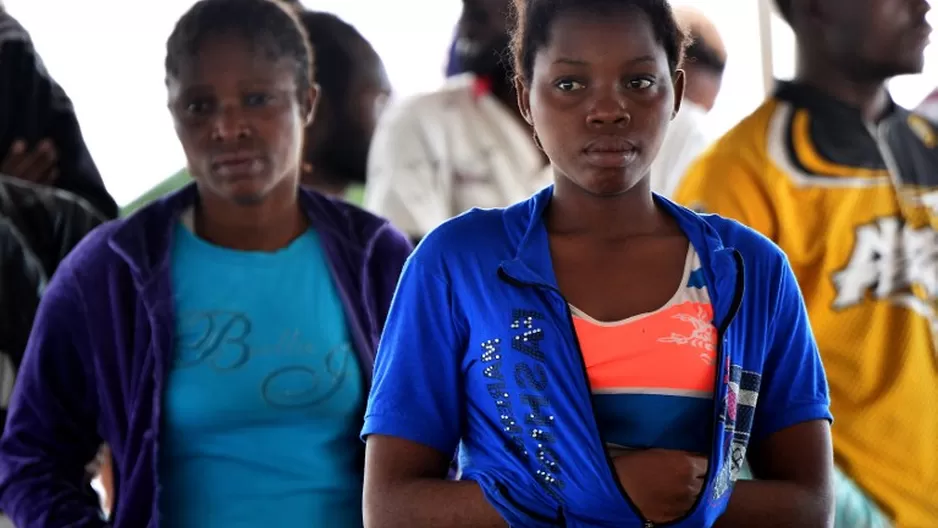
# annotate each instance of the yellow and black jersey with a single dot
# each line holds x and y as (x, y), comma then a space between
(855, 207)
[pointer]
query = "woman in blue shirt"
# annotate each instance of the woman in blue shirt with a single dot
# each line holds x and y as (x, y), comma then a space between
(221, 339)
(599, 356)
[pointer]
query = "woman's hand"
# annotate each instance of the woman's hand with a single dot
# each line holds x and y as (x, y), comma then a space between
(663, 483)
(37, 165)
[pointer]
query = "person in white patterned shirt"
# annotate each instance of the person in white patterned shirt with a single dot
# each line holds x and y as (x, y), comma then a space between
(440, 154)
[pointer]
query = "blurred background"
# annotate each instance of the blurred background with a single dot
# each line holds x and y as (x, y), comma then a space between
(851, 199)
(122, 121)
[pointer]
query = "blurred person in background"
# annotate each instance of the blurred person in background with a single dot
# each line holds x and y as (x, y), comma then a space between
(466, 145)
(354, 88)
(39, 226)
(353, 91)
(40, 139)
(846, 181)
(704, 63)
(221, 340)
(929, 107)
(51, 194)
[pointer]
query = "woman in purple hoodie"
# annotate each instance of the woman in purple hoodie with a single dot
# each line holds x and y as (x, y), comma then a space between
(220, 340)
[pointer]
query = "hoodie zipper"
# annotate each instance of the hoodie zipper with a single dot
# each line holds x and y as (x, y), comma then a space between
(721, 332)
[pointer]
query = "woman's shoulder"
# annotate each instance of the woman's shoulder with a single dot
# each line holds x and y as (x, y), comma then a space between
(477, 237)
(88, 277)
(755, 248)
(94, 256)
(358, 229)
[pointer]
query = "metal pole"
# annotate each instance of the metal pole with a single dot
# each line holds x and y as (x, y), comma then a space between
(766, 8)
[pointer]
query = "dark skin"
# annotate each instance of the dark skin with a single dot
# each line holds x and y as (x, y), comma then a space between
(225, 100)
(794, 486)
(605, 232)
(601, 96)
(604, 229)
(405, 487)
(240, 117)
(850, 48)
(337, 141)
(37, 164)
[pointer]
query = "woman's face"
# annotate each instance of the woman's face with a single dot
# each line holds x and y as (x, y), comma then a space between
(240, 119)
(600, 99)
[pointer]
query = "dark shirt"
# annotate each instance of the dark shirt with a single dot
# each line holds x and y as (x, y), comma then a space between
(34, 107)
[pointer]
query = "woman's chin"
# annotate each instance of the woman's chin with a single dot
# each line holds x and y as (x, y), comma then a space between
(609, 183)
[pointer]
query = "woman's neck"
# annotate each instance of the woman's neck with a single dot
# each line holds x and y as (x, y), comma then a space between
(572, 211)
(267, 226)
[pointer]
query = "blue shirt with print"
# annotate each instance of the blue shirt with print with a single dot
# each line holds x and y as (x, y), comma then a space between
(479, 352)
(265, 396)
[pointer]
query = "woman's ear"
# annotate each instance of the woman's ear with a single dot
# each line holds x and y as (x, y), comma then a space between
(309, 103)
(524, 100)
(679, 81)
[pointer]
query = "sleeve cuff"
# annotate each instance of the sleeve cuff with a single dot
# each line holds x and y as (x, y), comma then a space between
(408, 429)
(808, 412)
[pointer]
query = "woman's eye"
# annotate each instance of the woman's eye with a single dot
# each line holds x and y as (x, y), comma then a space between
(199, 107)
(641, 84)
(568, 85)
(257, 99)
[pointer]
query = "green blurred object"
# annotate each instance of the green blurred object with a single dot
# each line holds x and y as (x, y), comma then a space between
(355, 194)
(174, 182)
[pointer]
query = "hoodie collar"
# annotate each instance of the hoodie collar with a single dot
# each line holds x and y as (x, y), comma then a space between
(145, 238)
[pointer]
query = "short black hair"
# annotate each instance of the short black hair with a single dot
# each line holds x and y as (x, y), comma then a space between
(784, 9)
(533, 19)
(270, 26)
(335, 43)
(704, 56)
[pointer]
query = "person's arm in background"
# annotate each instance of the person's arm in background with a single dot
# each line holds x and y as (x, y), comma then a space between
(51, 431)
(407, 180)
(22, 280)
(413, 422)
(694, 144)
(790, 451)
(33, 107)
(730, 185)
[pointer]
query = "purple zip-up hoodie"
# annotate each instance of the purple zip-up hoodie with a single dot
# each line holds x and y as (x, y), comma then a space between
(100, 351)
